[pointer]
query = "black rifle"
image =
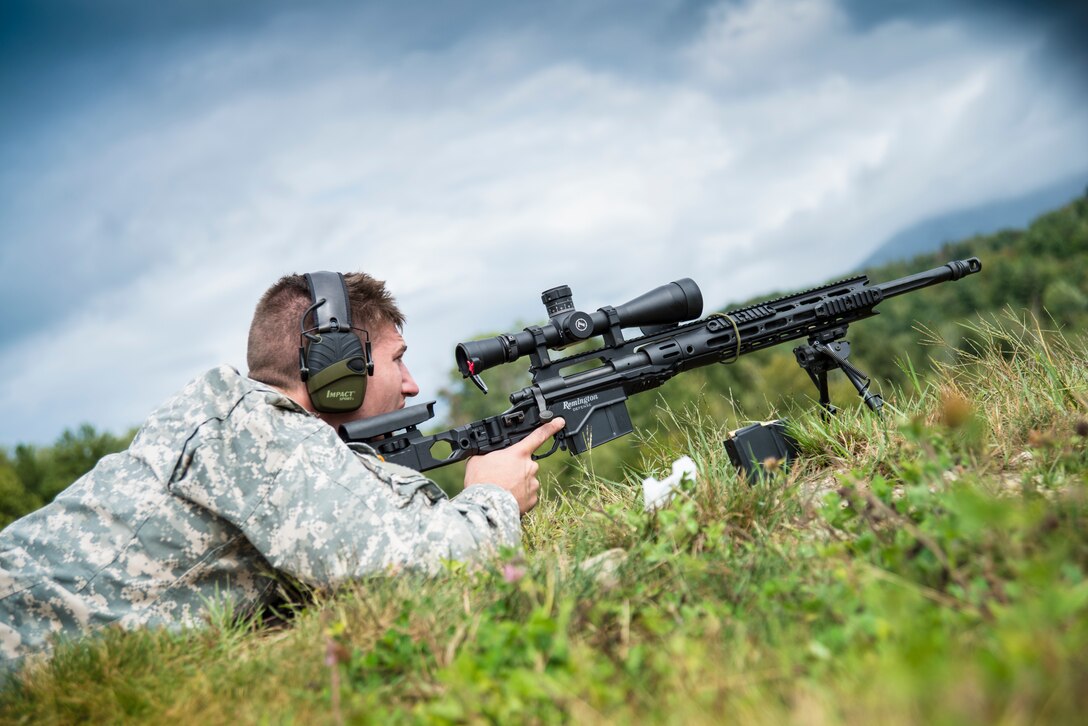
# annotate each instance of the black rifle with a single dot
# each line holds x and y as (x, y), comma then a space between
(593, 402)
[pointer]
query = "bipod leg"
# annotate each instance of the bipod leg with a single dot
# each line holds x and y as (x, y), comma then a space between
(816, 364)
(859, 379)
(819, 379)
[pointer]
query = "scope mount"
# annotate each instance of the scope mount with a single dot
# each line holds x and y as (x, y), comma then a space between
(573, 326)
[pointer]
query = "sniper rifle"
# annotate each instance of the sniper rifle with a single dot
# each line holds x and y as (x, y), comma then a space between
(593, 401)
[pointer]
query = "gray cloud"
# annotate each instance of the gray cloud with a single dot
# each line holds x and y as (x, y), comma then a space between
(475, 159)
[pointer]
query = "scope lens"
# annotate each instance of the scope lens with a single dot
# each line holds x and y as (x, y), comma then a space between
(476, 356)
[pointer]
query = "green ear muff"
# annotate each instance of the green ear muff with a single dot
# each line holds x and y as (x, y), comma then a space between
(333, 361)
(338, 388)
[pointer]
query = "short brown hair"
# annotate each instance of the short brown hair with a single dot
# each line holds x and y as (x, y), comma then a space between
(272, 352)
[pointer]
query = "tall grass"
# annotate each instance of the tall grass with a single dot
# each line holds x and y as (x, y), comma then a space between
(927, 567)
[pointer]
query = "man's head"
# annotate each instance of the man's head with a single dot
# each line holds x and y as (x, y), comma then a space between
(274, 341)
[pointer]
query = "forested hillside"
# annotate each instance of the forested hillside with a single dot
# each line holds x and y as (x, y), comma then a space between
(1040, 272)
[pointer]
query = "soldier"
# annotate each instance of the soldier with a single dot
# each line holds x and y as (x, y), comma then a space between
(237, 479)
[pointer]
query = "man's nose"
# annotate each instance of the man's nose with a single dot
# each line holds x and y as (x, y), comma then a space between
(408, 385)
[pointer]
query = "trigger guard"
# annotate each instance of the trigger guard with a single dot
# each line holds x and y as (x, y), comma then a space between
(549, 452)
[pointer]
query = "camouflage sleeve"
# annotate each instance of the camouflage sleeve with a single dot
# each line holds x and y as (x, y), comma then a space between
(332, 514)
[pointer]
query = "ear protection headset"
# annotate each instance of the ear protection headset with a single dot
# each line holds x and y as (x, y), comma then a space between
(333, 361)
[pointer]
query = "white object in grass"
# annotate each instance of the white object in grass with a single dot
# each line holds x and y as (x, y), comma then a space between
(656, 493)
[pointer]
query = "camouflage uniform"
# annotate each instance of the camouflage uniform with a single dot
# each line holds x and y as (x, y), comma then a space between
(226, 482)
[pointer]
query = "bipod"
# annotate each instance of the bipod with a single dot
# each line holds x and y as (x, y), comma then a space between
(825, 352)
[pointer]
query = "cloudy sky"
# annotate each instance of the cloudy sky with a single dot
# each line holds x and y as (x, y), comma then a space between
(162, 163)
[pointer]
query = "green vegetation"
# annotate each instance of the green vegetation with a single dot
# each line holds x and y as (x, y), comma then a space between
(32, 475)
(928, 567)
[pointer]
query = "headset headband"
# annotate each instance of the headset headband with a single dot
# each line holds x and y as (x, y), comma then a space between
(335, 313)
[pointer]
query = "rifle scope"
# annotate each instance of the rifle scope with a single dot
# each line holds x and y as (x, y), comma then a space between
(661, 308)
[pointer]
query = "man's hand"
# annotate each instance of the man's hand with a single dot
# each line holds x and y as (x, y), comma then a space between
(513, 468)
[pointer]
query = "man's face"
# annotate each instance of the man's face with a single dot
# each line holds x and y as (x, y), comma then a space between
(391, 383)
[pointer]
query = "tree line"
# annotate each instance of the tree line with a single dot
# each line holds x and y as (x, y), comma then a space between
(30, 476)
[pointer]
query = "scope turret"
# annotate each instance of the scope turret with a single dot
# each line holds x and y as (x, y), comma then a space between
(666, 305)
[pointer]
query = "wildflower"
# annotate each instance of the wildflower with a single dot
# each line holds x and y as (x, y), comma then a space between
(512, 572)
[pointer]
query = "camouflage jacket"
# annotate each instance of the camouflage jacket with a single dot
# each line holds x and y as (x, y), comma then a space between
(227, 482)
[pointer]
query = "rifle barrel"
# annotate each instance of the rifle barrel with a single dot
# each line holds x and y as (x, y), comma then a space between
(952, 271)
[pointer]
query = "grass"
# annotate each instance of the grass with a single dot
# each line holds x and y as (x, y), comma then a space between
(927, 567)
